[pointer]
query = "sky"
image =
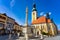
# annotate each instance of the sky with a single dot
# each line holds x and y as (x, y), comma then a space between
(16, 9)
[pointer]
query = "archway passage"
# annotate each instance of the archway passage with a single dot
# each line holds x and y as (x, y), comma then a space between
(38, 33)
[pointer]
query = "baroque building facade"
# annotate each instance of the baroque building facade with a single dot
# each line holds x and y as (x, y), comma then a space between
(43, 24)
(3, 20)
(8, 24)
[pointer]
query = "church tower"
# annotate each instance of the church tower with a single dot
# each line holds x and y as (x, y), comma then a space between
(34, 12)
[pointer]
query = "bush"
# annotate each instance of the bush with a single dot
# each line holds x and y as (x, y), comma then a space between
(44, 33)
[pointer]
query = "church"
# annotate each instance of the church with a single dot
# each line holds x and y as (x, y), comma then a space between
(43, 24)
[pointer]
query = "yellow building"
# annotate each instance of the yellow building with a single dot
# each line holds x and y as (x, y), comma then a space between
(8, 24)
(17, 28)
(43, 24)
(3, 19)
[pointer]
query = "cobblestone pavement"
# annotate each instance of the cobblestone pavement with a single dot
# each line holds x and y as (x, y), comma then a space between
(53, 38)
(48, 38)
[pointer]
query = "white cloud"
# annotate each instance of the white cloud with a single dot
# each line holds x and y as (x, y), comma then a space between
(12, 3)
(45, 15)
(41, 13)
(49, 13)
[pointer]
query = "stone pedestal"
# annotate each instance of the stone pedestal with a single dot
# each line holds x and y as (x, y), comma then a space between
(25, 31)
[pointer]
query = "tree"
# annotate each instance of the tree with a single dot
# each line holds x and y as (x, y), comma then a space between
(44, 33)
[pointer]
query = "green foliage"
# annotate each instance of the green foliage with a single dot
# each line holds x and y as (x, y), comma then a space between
(44, 33)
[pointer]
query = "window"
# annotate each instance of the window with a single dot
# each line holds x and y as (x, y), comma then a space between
(2, 21)
(48, 27)
(32, 30)
(33, 13)
(10, 25)
(2, 17)
(1, 24)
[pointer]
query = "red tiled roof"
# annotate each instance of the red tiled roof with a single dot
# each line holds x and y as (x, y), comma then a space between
(41, 19)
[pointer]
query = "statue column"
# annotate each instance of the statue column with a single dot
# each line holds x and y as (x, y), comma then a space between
(26, 24)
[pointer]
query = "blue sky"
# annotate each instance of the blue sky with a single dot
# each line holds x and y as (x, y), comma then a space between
(16, 9)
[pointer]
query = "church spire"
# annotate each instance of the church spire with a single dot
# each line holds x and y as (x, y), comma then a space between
(34, 6)
(34, 12)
